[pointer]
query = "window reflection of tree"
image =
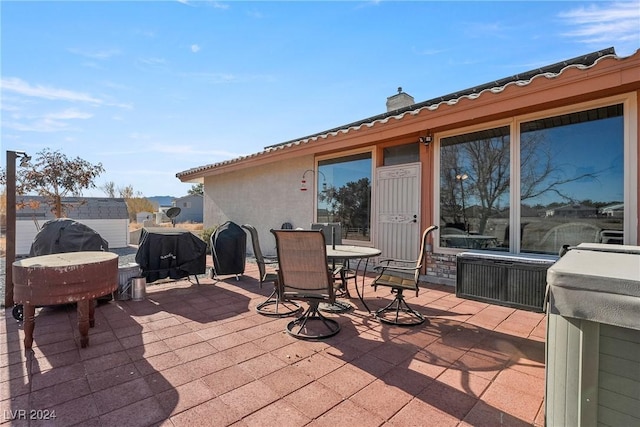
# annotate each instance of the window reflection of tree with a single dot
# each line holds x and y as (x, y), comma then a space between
(485, 163)
(541, 174)
(549, 194)
(349, 205)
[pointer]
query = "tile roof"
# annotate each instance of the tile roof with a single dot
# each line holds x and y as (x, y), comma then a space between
(497, 86)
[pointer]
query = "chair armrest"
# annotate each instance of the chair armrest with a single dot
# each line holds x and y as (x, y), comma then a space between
(383, 265)
(383, 268)
(388, 260)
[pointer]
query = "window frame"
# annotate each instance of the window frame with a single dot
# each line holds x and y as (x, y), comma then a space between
(372, 214)
(630, 150)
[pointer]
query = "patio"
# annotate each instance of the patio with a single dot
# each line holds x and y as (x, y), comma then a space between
(200, 355)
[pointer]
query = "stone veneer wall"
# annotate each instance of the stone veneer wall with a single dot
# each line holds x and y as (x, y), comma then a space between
(441, 269)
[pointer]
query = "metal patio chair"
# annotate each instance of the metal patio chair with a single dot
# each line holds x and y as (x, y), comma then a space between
(400, 276)
(272, 306)
(303, 276)
(333, 234)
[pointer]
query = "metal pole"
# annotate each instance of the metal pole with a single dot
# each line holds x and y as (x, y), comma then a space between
(11, 228)
(464, 213)
(461, 177)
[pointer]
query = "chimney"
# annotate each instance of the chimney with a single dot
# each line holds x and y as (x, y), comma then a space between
(400, 100)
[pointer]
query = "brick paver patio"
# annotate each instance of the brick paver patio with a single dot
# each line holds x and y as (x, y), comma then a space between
(199, 355)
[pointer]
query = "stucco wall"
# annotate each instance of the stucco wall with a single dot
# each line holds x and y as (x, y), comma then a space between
(193, 209)
(265, 196)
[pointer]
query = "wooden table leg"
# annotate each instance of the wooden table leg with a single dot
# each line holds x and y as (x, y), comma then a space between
(83, 321)
(29, 324)
(92, 313)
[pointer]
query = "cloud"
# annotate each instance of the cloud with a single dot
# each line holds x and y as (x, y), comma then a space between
(98, 54)
(152, 64)
(219, 78)
(19, 86)
(49, 122)
(190, 150)
(255, 14)
(152, 61)
(195, 48)
(68, 114)
(22, 88)
(211, 3)
(138, 136)
(214, 77)
(614, 23)
(218, 5)
(427, 51)
(173, 150)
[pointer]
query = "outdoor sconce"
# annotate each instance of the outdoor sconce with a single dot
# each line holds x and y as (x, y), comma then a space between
(24, 158)
(303, 183)
(426, 139)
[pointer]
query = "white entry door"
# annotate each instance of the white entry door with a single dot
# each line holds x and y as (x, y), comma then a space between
(398, 211)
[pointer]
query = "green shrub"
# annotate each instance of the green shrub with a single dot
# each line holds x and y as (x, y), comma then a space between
(206, 234)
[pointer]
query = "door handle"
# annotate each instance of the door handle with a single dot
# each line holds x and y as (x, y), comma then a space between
(415, 218)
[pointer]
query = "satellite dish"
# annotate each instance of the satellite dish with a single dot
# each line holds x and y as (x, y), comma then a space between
(172, 213)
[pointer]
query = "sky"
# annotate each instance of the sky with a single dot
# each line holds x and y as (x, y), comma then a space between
(152, 88)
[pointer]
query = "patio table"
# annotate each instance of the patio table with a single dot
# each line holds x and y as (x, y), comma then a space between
(63, 278)
(470, 241)
(350, 252)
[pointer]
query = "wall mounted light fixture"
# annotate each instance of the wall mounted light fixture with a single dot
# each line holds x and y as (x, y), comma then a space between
(426, 139)
(303, 183)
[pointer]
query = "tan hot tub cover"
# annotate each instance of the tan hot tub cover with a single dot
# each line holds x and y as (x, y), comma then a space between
(597, 282)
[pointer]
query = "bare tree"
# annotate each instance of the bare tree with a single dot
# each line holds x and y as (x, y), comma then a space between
(109, 189)
(53, 176)
(128, 192)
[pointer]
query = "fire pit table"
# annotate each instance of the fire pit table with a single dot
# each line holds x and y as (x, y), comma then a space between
(64, 278)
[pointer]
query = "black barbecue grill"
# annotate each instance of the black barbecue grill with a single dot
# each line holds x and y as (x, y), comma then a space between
(228, 250)
(170, 252)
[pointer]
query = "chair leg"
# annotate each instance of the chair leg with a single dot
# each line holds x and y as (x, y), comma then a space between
(301, 327)
(273, 307)
(397, 306)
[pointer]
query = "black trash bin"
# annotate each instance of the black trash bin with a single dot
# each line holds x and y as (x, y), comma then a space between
(228, 249)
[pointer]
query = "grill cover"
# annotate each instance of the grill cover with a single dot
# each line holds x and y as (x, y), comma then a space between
(66, 235)
(229, 249)
(170, 252)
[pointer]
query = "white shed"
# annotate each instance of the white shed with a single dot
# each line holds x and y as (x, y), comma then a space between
(109, 217)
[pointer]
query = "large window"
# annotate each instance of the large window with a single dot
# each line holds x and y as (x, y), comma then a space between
(474, 189)
(568, 184)
(572, 180)
(344, 194)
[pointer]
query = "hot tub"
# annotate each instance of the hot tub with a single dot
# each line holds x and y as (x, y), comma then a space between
(593, 337)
